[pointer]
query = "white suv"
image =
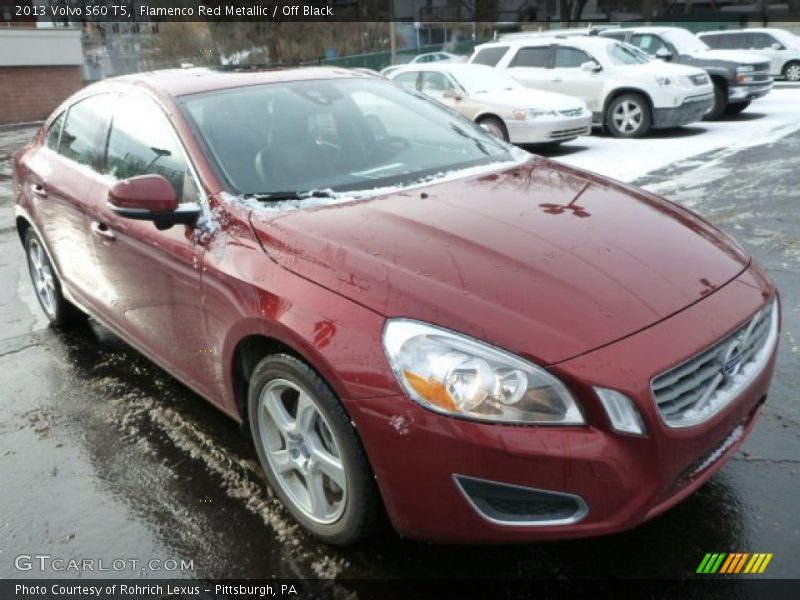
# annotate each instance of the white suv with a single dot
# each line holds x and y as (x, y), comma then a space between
(781, 47)
(625, 90)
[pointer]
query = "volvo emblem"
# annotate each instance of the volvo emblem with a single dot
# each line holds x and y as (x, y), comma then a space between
(732, 361)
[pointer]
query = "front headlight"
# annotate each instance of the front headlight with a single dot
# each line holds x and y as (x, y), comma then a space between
(454, 374)
(664, 81)
(745, 69)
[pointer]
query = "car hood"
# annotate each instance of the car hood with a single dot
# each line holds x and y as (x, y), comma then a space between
(735, 56)
(659, 67)
(543, 260)
(527, 98)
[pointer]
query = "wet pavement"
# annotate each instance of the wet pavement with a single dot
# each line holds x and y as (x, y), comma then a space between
(103, 455)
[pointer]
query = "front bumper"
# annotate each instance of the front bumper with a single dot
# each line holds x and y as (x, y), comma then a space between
(746, 93)
(691, 110)
(418, 456)
(550, 129)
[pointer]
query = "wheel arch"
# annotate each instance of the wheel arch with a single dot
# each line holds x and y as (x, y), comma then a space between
(626, 90)
(791, 61)
(22, 227)
(251, 347)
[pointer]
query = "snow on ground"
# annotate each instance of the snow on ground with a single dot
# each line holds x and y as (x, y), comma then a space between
(763, 122)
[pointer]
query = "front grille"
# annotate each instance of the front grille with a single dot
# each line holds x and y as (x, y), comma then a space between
(761, 72)
(573, 112)
(569, 133)
(699, 79)
(697, 389)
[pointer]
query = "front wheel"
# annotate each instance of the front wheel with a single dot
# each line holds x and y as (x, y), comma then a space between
(628, 116)
(735, 109)
(58, 310)
(791, 72)
(720, 102)
(494, 127)
(311, 455)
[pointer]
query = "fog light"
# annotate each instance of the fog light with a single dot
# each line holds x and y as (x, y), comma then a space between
(621, 411)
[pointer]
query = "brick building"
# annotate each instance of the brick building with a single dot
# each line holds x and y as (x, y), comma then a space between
(39, 67)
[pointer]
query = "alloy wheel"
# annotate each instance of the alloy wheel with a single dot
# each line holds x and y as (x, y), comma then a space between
(42, 276)
(302, 451)
(627, 116)
(793, 72)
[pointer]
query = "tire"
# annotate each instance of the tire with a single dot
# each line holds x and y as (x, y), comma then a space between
(628, 116)
(46, 284)
(735, 109)
(720, 102)
(316, 467)
(495, 127)
(791, 71)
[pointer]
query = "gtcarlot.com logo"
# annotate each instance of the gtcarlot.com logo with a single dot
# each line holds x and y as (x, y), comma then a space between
(734, 563)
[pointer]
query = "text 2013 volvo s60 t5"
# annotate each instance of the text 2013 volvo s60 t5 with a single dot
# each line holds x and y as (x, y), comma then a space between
(405, 311)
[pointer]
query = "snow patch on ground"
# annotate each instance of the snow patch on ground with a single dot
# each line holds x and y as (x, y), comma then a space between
(764, 121)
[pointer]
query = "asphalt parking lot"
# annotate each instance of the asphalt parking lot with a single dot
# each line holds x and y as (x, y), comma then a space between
(103, 455)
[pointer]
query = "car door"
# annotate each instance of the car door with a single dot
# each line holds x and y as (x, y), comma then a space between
(530, 66)
(436, 84)
(58, 177)
(569, 78)
(149, 278)
(768, 46)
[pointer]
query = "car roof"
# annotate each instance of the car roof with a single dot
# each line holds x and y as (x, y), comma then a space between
(654, 29)
(588, 42)
(444, 67)
(181, 82)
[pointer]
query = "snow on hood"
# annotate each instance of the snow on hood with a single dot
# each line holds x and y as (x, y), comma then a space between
(658, 67)
(739, 56)
(529, 98)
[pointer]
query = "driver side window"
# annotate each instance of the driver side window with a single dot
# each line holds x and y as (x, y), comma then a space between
(649, 43)
(142, 142)
(570, 58)
(437, 83)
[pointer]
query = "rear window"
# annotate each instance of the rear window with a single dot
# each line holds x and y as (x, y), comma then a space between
(489, 56)
(532, 57)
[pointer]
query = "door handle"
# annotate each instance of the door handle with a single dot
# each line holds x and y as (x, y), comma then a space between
(556, 79)
(39, 190)
(102, 230)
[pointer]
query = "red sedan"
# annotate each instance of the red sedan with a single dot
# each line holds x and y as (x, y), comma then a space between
(406, 312)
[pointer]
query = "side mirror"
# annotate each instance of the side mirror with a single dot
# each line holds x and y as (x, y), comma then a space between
(777, 46)
(664, 54)
(452, 95)
(151, 198)
(591, 65)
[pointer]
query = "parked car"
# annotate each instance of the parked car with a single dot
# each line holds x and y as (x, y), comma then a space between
(781, 47)
(738, 77)
(401, 308)
(437, 57)
(502, 105)
(626, 92)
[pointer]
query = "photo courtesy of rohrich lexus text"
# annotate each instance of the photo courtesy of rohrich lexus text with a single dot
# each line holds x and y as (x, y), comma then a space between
(391, 299)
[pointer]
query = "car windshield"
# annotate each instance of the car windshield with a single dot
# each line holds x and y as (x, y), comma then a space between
(478, 80)
(623, 54)
(786, 38)
(334, 134)
(684, 41)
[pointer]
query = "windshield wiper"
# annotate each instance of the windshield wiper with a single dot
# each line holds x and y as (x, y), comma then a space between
(277, 196)
(476, 141)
